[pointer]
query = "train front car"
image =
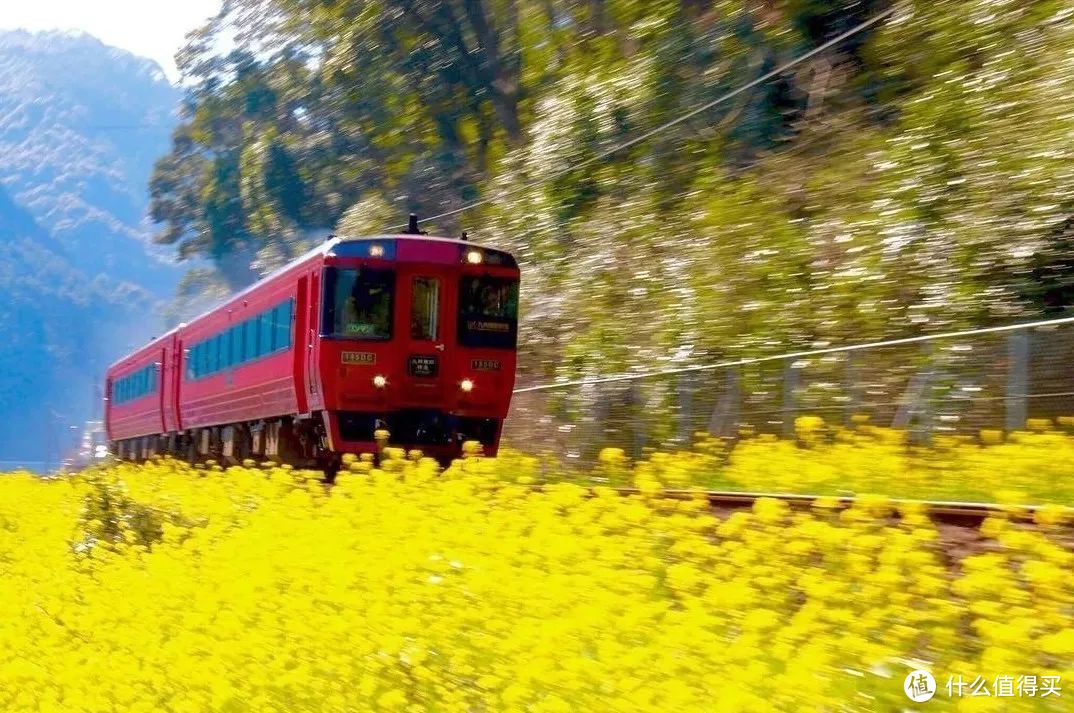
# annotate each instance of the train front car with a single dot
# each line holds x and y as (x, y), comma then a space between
(417, 337)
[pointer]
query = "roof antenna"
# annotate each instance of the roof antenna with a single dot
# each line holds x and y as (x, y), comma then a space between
(464, 237)
(412, 227)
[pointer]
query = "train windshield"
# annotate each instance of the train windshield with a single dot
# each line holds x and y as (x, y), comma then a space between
(488, 311)
(358, 303)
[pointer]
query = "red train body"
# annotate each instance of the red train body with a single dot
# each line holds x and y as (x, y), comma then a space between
(412, 334)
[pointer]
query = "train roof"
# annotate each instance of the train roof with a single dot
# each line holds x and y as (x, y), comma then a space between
(319, 250)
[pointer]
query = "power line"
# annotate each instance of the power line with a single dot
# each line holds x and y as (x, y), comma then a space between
(678, 120)
(797, 355)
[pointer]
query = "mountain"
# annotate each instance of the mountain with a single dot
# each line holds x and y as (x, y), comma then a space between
(60, 326)
(81, 125)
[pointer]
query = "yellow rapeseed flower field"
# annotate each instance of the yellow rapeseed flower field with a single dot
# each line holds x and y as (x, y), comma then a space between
(1032, 467)
(168, 588)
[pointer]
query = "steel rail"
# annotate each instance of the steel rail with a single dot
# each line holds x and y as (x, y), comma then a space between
(951, 512)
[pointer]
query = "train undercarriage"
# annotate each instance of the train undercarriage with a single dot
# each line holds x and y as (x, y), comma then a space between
(306, 442)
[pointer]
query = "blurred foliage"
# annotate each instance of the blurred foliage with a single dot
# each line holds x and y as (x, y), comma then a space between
(915, 178)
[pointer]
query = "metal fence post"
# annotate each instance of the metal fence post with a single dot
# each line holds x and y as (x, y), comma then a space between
(638, 435)
(915, 405)
(685, 388)
(723, 422)
(853, 393)
(791, 373)
(1017, 379)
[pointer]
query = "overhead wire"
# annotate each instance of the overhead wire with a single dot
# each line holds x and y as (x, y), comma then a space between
(803, 354)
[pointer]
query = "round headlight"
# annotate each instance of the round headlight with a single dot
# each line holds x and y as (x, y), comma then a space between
(380, 381)
(474, 257)
(466, 385)
(376, 251)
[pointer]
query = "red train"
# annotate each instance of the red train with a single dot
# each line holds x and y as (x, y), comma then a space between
(408, 333)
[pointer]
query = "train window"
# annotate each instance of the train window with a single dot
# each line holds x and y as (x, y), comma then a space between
(223, 348)
(216, 352)
(424, 308)
(249, 337)
(282, 324)
(488, 311)
(358, 303)
(266, 332)
(234, 338)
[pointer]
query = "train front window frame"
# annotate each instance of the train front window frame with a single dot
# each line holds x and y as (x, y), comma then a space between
(488, 311)
(358, 303)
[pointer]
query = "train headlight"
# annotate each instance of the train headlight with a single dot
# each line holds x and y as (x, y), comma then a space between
(376, 251)
(474, 257)
(466, 385)
(380, 381)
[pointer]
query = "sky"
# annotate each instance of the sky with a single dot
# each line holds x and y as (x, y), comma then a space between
(148, 28)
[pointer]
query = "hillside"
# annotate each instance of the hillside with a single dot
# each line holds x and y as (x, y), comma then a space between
(80, 282)
(81, 124)
(60, 327)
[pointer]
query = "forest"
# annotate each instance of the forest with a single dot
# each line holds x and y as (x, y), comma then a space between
(914, 178)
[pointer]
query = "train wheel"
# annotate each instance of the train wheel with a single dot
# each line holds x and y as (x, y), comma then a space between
(192, 449)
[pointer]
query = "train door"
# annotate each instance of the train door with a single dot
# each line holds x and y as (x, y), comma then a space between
(164, 393)
(178, 364)
(429, 353)
(316, 398)
(301, 345)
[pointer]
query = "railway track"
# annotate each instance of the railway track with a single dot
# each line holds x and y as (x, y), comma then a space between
(958, 524)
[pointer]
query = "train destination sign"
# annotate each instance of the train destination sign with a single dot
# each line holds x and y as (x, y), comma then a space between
(485, 364)
(422, 366)
(484, 325)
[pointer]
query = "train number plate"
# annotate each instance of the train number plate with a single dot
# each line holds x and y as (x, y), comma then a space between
(423, 365)
(485, 364)
(359, 357)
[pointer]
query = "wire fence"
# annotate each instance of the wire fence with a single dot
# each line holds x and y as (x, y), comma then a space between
(954, 383)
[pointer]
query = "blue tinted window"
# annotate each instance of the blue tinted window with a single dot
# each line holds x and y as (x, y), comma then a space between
(282, 326)
(265, 331)
(250, 330)
(223, 351)
(238, 352)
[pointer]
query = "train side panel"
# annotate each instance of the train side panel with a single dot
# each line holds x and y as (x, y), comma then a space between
(239, 362)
